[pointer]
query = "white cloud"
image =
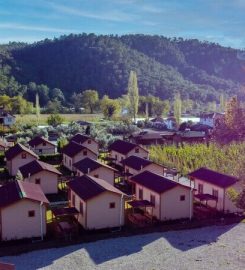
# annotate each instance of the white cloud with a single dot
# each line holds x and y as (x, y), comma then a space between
(112, 15)
(15, 26)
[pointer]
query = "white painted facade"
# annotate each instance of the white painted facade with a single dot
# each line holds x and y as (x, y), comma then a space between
(153, 167)
(168, 205)
(137, 151)
(48, 181)
(69, 161)
(102, 172)
(44, 149)
(224, 203)
(21, 159)
(96, 212)
(17, 224)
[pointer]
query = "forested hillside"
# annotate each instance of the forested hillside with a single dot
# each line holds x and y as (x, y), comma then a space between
(199, 71)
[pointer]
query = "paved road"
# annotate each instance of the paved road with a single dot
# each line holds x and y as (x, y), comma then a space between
(217, 247)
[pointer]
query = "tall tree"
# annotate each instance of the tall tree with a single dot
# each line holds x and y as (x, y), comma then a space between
(37, 108)
(109, 107)
(177, 108)
(90, 99)
(222, 103)
(133, 94)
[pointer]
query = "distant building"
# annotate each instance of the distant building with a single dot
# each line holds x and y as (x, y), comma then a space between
(6, 118)
(22, 211)
(100, 204)
(17, 156)
(42, 146)
(210, 119)
(120, 150)
(211, 188)
(147, 138)
(41, 173)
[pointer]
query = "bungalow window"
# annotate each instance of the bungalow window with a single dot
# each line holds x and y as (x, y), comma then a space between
(31, 213)
(81, 208)
(37, 181)
(200, 188)
(44, 143)
(40, 150)
(215, 193)
(182, 198)
(85, 153)
(140, 193)
(89, 141)
(23, 155)
(153, 199)
(73, 200)
(96, 175)
(112, 205)
(137, 150)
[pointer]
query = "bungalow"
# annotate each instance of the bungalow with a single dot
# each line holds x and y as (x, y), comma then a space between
(171, 200)
(134, 164)
(211, 187)
(6, 119)
(18, 156)
(42, 146)
(120, 150)
(211, 119)
(96, 169)
(100, 204)
(74, 152)
(41, 173)
(86, 141)
(22, 211)
(147, 138)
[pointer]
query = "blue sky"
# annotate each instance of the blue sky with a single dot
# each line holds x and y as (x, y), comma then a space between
(221, 21)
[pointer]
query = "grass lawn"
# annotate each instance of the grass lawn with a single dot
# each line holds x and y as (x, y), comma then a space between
(30, 118)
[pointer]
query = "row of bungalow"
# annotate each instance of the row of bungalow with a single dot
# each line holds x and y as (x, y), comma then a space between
(94, 196)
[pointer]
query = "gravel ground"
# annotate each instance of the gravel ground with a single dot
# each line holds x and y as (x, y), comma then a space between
(217, 247)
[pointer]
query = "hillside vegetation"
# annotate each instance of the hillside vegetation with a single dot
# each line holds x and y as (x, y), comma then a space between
(199, 71)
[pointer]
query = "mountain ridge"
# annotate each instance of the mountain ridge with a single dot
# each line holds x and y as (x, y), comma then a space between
(201, 71)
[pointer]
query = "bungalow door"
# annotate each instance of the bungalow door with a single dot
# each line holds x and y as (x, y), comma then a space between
(200, 188)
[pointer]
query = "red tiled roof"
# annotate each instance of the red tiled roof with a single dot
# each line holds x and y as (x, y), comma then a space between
(213, 177)
(87, 187)
(154, 182)
(123, 147)
(135, 162)
(37, 166)
(16, 150)
(88, 164)
(18, 190)
(38, 140)
(73, 148)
